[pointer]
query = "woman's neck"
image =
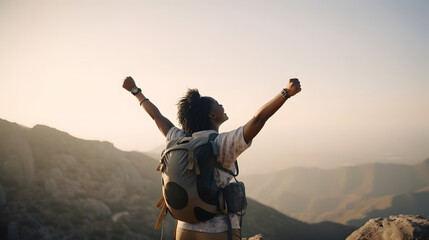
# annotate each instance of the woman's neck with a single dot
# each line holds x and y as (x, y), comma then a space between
(215, 127)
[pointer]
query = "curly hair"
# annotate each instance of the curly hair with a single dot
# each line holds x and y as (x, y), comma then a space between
(193, 112)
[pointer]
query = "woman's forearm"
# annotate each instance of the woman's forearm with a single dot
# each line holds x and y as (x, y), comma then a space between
(148, 106)
(271, 107)
(257, 122)
(162, 122)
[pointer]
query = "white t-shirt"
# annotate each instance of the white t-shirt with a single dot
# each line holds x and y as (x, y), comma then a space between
(231, 145)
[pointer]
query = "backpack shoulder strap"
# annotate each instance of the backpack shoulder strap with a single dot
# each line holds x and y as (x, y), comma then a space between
(212, 138)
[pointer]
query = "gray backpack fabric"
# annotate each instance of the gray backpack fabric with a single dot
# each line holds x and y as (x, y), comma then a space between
(189, 190)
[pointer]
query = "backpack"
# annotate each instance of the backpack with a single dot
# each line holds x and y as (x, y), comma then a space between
(189, 190)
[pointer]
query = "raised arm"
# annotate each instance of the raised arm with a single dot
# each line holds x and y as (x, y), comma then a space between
(162, 122)
(252, 128)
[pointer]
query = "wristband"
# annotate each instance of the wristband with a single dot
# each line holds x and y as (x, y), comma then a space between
(285, 93)
(143, 101)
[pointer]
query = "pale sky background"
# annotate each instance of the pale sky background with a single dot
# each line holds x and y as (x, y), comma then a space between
(363, 66)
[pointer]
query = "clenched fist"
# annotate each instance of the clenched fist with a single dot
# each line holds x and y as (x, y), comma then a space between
(293, 87)
(128, 83)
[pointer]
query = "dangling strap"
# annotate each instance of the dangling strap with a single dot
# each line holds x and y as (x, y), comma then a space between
(161, 161)
(229, 171)
(161, 205)
(161, 202)
(228, 221)
(241, 224)
(236, 167)
(160, 166)
(162, 230)
(221, 202)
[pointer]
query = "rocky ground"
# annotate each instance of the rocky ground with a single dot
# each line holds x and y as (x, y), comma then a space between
(397, 227)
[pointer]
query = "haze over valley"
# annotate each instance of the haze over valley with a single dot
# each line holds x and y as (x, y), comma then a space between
(349, 195)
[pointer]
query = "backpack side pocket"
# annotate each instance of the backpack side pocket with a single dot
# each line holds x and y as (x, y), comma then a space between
(235, 197)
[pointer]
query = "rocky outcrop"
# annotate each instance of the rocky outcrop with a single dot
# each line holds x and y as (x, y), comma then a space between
(396, 227)
(18, 164)
(117, 216)
(258, 237)
(127, 173)
(60, 186)
(64, 161)
(113, 191)
(94, 206)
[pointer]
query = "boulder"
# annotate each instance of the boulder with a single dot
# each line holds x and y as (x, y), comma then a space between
(62, 188)
(19, 163)
(83, 176)
(51, 186)
(56, 173)
(117, 216)
(397, 227)
(13, 169)
(258, 237)
(114, 191)
(64, 161)
(94, 206)
(127, 173)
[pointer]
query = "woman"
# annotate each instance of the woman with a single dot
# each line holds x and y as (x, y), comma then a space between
(201, 116)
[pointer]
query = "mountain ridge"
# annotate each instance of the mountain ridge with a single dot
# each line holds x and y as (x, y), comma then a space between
(59, 186)
(315, 194)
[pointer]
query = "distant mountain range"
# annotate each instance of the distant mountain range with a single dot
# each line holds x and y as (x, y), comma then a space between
(56, 186)
(348, 195)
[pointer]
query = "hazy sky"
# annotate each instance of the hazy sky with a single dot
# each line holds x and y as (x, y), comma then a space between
(363, 66)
